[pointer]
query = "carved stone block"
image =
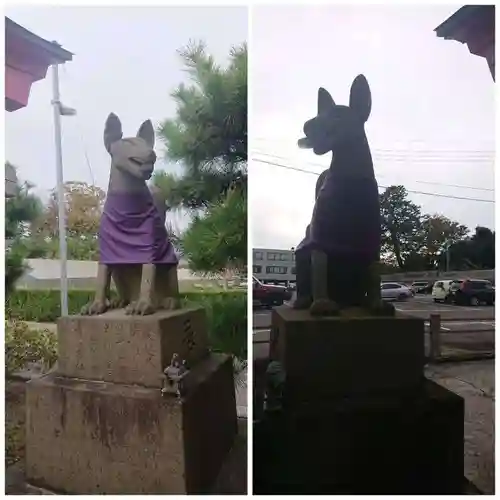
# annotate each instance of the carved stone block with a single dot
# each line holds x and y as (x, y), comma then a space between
(114, 347)
(85, 437)
(346, 356)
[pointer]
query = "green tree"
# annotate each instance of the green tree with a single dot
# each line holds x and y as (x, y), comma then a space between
(20, 212)
(401, 230)
(437, 233)
(415, 241)
(84, 204)
(209, 132)
(217, 241)
(483, 241)
(475, 252)
(208, 136)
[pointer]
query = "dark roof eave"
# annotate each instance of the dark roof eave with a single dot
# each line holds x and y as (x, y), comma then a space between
(55, 51)
(450, 28)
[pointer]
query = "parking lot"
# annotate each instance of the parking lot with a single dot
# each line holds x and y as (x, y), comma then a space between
(420, 306)
(472, 328)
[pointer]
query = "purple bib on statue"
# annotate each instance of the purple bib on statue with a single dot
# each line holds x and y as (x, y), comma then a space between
(132, 231)
(336, 230)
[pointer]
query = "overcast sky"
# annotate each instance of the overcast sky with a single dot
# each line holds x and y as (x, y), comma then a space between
(125, 62)
(432, 117)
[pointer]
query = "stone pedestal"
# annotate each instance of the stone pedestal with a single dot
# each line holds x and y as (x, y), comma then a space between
(114, 347)
(389, 447)
(358, 415)
(100, 425)
(345, 357)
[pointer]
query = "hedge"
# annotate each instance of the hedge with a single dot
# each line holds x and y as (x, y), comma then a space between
(226, 312)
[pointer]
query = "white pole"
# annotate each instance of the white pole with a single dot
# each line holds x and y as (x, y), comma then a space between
(63, 254)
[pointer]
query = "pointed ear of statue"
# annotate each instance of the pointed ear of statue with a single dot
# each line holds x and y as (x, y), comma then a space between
(325, 100)
(112, 131)
(147, 132)
(360, 99)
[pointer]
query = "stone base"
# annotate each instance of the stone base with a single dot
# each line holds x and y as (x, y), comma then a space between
(405, 447)
(345, 356)
(86, 437)
(114, 347)
(35, 490)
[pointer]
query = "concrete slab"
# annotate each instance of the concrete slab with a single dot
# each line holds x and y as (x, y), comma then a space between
(475, 382)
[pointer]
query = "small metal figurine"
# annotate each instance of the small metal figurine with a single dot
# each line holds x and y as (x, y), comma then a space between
(275, 382)
(173, 375)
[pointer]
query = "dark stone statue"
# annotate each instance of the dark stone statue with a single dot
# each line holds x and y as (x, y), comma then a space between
(337, 262)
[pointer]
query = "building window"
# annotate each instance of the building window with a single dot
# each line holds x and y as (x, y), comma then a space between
(284, 256)
(272, 256)
(257, 269)
(276, 270)
(258, 256)
(294, 270)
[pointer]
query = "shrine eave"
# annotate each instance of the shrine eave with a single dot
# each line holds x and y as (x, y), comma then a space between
(27, 58)
(473, 25)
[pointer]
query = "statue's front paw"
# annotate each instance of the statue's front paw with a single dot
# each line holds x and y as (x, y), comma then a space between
(382, 308)
(141, 307)
(301, 303)
(118, 303)
(95, 308)
(171, 303)
(324, 307)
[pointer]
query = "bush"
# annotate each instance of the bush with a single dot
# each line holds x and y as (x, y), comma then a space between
(226, 313)
(24, 345)
(14, 268)
(227, 321)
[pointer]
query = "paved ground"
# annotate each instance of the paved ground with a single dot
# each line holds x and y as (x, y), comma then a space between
(475, 382)
(422, 307)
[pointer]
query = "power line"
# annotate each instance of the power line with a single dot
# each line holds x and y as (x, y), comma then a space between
(412, 157)
(382, 175)
(438, 195)
(483, 152)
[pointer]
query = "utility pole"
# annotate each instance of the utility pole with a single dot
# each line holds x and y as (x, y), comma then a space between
(60, 110)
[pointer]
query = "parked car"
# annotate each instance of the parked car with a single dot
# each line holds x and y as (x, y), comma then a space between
(441, 290)
(421, 287)
(471, 292)
(269, 295)
(395, 291)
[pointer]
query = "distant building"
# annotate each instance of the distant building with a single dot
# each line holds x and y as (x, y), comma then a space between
(82, 274)
(272, 265)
